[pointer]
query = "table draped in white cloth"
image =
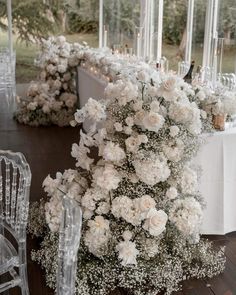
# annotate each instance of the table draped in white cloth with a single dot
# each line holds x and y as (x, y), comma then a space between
(217, 159)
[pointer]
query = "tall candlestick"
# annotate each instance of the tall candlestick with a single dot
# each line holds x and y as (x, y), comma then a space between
(138, 45)
(151, 29)
(9, 18)
(208, 34)
(100, 23)
(188, 51)
(159, 32)
(105, 39)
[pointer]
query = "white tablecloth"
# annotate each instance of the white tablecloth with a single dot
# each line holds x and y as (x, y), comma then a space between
(218, 182)
(89, 86)
(217, 159)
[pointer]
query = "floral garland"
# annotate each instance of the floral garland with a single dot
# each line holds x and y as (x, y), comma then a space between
(53, 99)
(142, 210)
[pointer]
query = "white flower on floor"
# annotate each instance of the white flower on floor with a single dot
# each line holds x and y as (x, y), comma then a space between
(112, 152)
(127, 252)
(106, 177)
(156, 221)
(189, 181)
(152, 170)
(187, 215)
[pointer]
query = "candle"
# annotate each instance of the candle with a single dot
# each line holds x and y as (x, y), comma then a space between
(100, 22)
(151, 29)
(208, 35)
(188, 51)
(159, 32)
(9, 17)
(105, 39)
(138, 45)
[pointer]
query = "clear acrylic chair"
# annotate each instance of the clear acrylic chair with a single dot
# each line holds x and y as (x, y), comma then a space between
(69, 240)
(15, 180)
(7, 74)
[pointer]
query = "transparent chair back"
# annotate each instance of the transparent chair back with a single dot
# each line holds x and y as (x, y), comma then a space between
(15, 180)
(69, 240)
(7, 74)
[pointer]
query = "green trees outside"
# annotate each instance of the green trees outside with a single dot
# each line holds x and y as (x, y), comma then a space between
(35, 19)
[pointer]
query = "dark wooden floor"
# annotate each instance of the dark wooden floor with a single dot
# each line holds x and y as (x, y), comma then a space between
(47, 151)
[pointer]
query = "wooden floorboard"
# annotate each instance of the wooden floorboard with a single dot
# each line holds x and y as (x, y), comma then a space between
(47, 150)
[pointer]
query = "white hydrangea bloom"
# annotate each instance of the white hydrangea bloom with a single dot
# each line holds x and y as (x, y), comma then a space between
(189, 181)
(112, 152)
(152, 170)
(106, 177)
(187, 215)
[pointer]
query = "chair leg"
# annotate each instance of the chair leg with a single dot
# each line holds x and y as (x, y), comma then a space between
(24, 279)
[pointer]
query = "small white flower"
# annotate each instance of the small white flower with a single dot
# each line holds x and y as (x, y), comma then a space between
(127, 253)
(127, 235)
(129, 121)
(174, 131)
(171, 193)
(118, 127)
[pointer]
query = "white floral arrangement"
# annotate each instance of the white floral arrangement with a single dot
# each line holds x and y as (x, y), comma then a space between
(220, 101)
(52, 99)
(142, 210)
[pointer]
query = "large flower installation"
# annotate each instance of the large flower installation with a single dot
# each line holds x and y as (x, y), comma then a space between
(142, 211)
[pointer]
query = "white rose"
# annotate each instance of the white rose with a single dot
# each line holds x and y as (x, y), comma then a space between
(153, 121)
(129, 121)
(146, 203)
(156, 221)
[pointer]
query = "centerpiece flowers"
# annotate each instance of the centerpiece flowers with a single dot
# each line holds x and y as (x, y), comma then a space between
(53, 98)
(142, 210)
